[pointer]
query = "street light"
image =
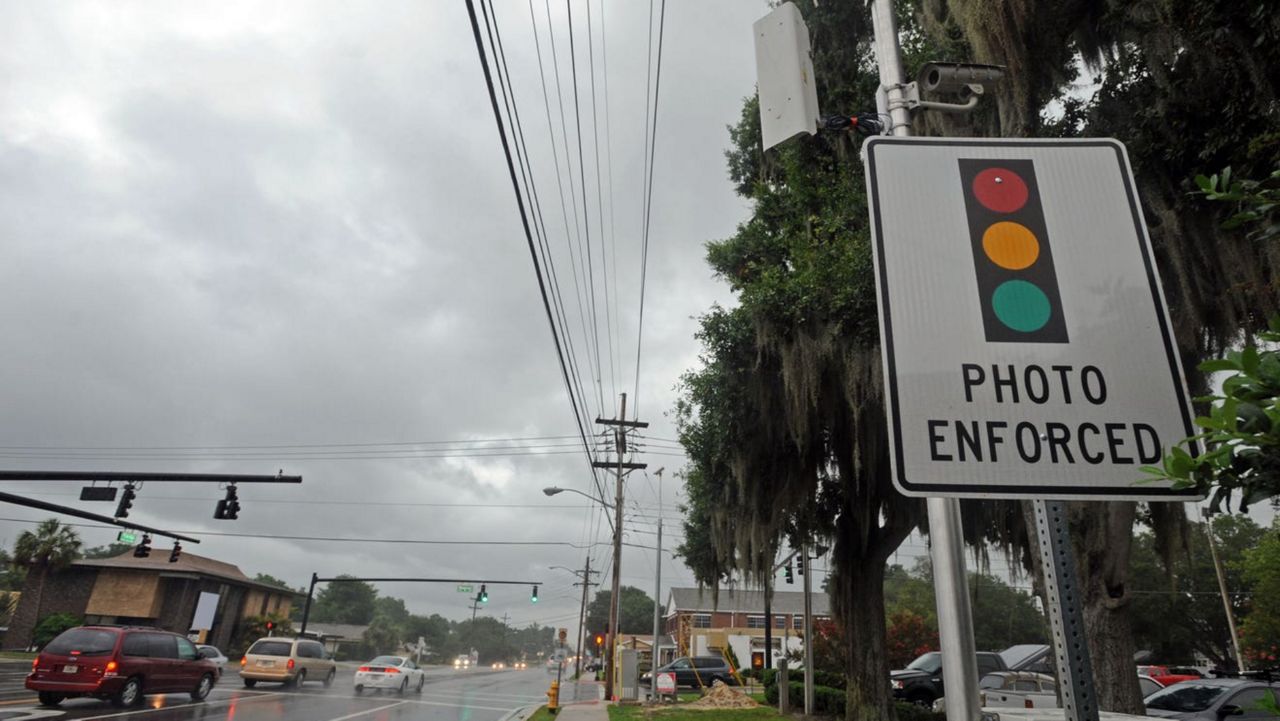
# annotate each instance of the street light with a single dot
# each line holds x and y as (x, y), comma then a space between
(553, 490)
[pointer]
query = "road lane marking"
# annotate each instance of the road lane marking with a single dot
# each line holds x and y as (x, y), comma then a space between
(368, 711)
(192, 705)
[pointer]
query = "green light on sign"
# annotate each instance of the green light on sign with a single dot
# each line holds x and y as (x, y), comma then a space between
(127, 537)
(464, 589)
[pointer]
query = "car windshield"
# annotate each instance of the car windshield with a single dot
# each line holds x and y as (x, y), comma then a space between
(1185, 696)
(929, 663)
(271, 648)
(991, 681)
(386, 661)
(209, 652)
(83, 642)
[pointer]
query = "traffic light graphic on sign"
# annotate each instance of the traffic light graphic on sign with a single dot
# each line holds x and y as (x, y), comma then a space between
(1017, 283)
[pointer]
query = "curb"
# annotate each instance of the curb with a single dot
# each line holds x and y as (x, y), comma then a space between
(522, 713)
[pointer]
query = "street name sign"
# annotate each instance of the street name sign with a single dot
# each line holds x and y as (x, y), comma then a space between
(126, 537)
(1026, 345)
(464, 589)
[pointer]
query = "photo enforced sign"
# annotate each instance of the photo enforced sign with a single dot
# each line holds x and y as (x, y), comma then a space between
(1027, 348)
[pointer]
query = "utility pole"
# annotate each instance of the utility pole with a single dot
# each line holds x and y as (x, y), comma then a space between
(621, 427)
(657, 578)
(808, 629)
(955, 619)
(768, 620)
(582, 614)
(1222, 587)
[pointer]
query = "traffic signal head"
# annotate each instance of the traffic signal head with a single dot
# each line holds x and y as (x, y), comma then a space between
(1017, 283)
(599, 639)
(144, 547)
(270, 625)
(534, 597)
(787, 573)
(126, 501)
(175, 553)
(484, 594)
(228, 508)
(800, 564)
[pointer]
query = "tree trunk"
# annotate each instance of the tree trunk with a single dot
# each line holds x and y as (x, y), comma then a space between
(867, 697)
(1102, 535)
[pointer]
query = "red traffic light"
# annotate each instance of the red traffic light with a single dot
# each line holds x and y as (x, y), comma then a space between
(270, 625)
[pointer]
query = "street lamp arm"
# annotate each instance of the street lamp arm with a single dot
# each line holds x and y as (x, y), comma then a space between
(553, 490)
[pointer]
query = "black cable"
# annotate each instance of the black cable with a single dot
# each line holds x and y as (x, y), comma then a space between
(648, 206)
(524, 220)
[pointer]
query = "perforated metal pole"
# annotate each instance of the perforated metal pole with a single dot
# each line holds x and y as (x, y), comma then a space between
(1066, 617)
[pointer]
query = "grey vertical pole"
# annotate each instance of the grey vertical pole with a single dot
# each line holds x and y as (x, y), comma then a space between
(808, 630)
(1066, 618)
(768, 620)
(955, 620)
(657, 582)
(1226, 599)
(784, 688)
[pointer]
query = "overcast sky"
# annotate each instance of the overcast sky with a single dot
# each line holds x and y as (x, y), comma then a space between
(246, 224)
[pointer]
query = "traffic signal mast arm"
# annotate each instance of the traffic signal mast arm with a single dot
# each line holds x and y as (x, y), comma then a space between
(125, 476)
(66, 510)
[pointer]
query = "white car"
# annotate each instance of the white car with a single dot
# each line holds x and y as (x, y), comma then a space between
(390, 672)
(213, 654)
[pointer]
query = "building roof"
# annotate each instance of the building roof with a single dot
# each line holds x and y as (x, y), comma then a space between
(740, 600)
(187, 563)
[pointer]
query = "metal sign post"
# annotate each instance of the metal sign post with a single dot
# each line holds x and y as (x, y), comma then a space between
(1066, 618)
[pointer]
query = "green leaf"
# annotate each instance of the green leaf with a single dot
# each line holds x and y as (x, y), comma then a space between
(1219, 364)
(1249, 360)
(1204, 183)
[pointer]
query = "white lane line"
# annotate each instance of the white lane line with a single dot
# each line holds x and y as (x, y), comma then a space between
(368, 711)
(193, 705)
(375, 699)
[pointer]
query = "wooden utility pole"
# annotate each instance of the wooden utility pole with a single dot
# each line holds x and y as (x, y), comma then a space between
(582, 614)
(621, 427)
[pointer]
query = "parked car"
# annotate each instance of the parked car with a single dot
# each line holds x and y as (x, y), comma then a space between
(213, 654)
(1215, 699)
(291, 661)
(391, 672)
(1148, 685)
(920, 682)
(1166, 676)
(694, 672)
(119, 664)
(1017, 689)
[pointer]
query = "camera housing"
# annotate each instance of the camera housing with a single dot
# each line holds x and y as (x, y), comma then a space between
(962, 79)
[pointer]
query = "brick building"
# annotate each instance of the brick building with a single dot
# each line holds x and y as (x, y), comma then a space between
(149, 591)
(701, 626)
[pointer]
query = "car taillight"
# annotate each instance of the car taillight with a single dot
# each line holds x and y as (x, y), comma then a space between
(393, 670)
(112, 666)
(35, 663)
(244, 660)
(289, 665)
(364, 669)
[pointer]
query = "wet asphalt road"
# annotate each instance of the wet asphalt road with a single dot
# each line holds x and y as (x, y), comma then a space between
(449, 695)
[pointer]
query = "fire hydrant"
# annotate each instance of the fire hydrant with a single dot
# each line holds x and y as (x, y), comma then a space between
(553, 698)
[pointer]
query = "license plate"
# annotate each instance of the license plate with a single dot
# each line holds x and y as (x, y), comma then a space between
(70, 669)
(266, 663)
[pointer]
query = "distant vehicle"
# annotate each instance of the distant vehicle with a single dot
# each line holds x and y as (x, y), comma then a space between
(1214, 699)
(520, 665)
(119, 664)
(213, 654)
(463, 661)
(1017, 689)
(1148, 685)
(396, 673)
(1048, 714)
(920, 682)
(1165, 675)
(499, 665)
(694, 672)
(290, 661)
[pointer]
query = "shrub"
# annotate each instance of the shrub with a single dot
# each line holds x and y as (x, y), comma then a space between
(52, 625)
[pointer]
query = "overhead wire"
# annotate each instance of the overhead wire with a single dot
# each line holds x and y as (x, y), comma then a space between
(651, 147)
(604, 266)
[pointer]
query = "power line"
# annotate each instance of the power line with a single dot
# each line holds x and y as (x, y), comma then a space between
(287, 445)
(652, 134)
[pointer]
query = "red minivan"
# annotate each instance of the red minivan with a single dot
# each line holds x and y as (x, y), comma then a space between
(119, 664)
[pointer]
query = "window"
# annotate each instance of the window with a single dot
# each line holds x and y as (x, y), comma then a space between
(702, 620)
(1250, 701)
(755, 622)
(680, 665)
(162, 645)
(797, 621)
(992, 681)
(271, 648)
(779, 621)
(1025, 685)
(85, 641)
(135, 644)
(310, 649)
(186, 649)
(988, 664)
(1148, 686)
(208, 652)
(707, 662)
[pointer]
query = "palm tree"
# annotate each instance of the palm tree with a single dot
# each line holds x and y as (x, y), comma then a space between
(51, 546)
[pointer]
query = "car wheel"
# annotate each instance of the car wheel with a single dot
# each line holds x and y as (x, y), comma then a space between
(922, 701)
(300, 679)
(129, 694)
(404, 686)
(250, 682)
(422, 680)
(203, 688)
(48, 698)
(328, 680)
(359, 690)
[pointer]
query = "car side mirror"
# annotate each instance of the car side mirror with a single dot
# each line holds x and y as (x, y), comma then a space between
(1230, 709)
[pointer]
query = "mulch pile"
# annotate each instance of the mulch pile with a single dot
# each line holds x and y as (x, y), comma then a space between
(723, 696)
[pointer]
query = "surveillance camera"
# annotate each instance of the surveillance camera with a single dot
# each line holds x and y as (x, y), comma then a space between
(963, 79)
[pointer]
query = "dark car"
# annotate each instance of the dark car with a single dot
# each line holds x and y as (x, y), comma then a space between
(1214, 699)
(921, 681)
(119, 664)
(695, 672)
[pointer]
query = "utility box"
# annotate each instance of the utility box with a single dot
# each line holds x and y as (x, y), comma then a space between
(629, 677)
(784, 76)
